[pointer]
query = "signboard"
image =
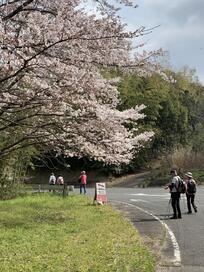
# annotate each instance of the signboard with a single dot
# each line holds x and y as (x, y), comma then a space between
(100, 193)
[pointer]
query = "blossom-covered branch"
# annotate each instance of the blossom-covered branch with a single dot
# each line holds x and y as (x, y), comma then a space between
(53, 93)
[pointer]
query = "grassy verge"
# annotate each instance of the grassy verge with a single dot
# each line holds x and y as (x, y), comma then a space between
(48, 233)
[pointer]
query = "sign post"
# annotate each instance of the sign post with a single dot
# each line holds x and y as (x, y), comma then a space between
(100, 193)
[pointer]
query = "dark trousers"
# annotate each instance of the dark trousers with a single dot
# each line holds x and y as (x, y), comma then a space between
(190, 201)
(82, 187)
(175, 202)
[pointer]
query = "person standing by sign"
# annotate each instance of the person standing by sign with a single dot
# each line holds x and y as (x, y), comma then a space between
(83, 181)
(190, 191)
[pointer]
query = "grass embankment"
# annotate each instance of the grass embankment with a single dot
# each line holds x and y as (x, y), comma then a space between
(48, 233)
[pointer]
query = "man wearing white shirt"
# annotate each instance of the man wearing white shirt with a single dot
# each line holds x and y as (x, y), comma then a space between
(175, 195)
(52, 179)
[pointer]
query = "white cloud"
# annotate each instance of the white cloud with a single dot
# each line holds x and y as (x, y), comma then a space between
(180, 32)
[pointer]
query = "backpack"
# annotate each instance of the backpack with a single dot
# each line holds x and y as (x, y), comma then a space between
(181, 187)
(191, 187)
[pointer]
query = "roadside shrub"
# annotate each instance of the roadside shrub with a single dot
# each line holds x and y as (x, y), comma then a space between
(186, 158)
(12, 173)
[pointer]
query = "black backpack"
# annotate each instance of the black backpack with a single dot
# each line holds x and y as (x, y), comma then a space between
(181, 186)
(191, 187)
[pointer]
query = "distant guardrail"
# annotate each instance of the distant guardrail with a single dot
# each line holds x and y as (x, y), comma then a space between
(65, 189)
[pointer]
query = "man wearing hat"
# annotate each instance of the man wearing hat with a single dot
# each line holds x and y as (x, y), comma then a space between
(190, 191)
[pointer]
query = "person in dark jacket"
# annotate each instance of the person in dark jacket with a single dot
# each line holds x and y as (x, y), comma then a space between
(190, 192)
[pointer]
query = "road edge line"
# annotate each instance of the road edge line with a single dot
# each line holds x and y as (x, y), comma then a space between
(177, 253)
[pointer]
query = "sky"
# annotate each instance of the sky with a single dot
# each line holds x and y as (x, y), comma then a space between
(180, 30)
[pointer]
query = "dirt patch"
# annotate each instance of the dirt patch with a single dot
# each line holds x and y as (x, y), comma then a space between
(134, 180)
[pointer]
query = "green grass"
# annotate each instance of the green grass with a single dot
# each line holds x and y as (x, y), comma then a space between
(49, 233)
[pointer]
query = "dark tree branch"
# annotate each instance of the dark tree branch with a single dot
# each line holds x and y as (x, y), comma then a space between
(17, 10)
(9, 3)
(41, 10)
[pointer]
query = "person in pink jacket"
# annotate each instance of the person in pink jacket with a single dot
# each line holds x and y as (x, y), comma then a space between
(83, 181)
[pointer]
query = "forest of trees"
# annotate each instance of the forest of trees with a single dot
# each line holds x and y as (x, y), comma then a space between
(174, 112)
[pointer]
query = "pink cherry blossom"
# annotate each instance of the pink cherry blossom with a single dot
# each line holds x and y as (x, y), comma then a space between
(53, 94)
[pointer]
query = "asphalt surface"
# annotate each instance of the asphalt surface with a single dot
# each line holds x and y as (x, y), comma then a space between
(179, 242)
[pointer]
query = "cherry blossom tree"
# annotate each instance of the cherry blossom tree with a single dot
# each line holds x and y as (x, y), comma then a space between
(52, 92)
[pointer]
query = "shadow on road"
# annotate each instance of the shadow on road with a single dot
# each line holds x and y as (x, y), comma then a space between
(144, 220)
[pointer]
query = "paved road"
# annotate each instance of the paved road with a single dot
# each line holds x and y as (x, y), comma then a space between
(149, 209)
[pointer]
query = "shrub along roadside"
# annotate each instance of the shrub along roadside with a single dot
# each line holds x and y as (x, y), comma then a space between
(48, 233)
(161, 177)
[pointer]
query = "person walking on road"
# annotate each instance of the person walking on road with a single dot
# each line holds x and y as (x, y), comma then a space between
(175, 195)
(190, 192)
(83, 181)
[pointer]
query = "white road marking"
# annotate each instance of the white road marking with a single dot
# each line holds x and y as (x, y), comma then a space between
(138, 200)
(141, 194)
(177, 254)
